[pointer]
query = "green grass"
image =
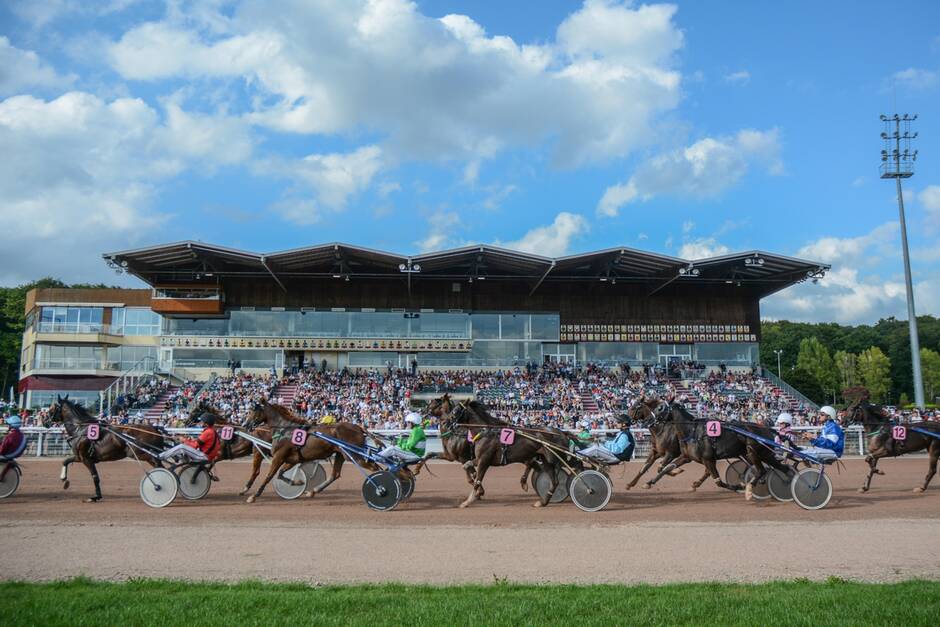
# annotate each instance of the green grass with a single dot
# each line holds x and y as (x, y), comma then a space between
(172, 603)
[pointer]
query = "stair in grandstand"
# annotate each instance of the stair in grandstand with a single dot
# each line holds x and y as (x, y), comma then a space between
(286, 392)
(156, 410)
(588, 404)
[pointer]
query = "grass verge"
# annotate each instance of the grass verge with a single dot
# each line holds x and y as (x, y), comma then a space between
(152, 602)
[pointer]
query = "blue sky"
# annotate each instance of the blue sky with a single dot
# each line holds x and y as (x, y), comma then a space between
(689, 129)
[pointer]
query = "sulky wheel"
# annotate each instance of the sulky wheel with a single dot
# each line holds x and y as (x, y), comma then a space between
(541, 482)
(381, 490)
(812, 489)
(734, 473)
(194, 482)
(590, 490)
(316, 475)
(158, 488)
(293, 486)
(10, 481)
(759, 491)
(780, 484)
(407, 484)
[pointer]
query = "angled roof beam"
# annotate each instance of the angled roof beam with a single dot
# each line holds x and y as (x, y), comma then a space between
(264, 263)
(539, 282)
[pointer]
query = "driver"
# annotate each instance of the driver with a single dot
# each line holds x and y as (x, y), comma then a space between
(13, 439)
(414, 445)
(204, 448)
(620, 447)
(831, 441)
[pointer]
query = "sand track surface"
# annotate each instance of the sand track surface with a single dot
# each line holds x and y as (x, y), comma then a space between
(659, 535)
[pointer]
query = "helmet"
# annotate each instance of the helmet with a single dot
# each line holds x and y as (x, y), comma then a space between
(413, 418)
(209, 419)
(624, 420)
(829, 411)
(14, 421)
(327, 420)
(784, 419)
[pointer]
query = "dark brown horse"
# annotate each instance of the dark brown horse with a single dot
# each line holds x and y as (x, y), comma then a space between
(457, 447)
(285, 454)
(236, 447)
(108, 447)
(664, 442)
(882, 441)
(528, 447)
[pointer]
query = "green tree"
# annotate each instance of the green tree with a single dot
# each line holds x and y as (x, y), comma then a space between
(874, 369)
(846, 369)
(815, 359)
(930, 368)
(806, 383)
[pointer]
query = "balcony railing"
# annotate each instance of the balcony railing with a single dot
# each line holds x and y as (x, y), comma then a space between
(69, 363)
(73, 327)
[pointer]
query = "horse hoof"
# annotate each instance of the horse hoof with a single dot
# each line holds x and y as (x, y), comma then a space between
(918, 490)
(748, 492)
(65, 485)
(308, 494)
(243, 492)
(693, 489)
(464, 505)
(627, 487)
(525, 486)
(862, 490)
(538, 504)
(92, 499)
(250, 499)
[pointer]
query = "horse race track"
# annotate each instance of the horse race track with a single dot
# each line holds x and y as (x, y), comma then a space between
(662, 535)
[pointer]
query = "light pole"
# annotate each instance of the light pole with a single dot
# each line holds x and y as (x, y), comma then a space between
(898, 164)
(779, 352)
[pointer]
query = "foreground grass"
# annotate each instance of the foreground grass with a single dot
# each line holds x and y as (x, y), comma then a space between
(144, 602)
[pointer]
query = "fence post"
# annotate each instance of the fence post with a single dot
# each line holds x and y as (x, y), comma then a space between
(39, 445)
(861, 441)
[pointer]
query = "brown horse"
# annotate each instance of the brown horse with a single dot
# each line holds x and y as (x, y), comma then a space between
(108, 447)
(488, 451)
(457, 447)
(236, 447)
(882, 441)
(664, 443)
(285, 454)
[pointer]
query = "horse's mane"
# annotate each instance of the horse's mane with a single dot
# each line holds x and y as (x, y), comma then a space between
(78, 410)
(284, 413)
(482, 413)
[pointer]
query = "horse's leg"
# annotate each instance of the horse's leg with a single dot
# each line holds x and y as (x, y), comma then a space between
(756, 477)
(712, 466)
(337, 470)
(529, 467)
(650, 460)
(64, 475)
(93, 470)
(477, 490)
(682, 460)
(932, 470)
(276, 461)
(256, 460)
(553, 485)
(872, 460)
(697, 484)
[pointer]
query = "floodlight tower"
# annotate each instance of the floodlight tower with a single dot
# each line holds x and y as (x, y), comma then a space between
(897, 162)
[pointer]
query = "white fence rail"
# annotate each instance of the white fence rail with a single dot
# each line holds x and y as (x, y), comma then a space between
(42, 442)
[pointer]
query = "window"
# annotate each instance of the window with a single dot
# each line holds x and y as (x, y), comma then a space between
(485, 326)
(68, 357)
(126, 357)
(135, 321)
(71, 320)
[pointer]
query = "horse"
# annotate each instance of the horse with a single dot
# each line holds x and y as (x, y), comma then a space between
(285, 454)
(457, 447)
(664, 443)
(489, 451)
(236, 447)
(696, 445)
(882, 443)
(108, 448)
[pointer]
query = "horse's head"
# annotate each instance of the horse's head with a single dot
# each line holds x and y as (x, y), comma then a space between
(54, 415)
(256, 415)
(438, 407)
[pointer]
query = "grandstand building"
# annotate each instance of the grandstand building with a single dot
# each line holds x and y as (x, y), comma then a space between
(207, 308)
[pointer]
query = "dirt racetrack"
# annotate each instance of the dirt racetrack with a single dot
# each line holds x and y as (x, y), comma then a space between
(659, 535)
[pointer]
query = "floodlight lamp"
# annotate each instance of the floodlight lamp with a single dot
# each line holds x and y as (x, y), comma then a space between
(884, 136)
(682, 271)
(402, 267)
(882, 116)
(416, 268)
(124, 263)
(337, 276)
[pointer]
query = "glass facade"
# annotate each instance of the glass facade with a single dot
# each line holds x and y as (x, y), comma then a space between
(45, 398)
(134, 321)
(68, 357)
(71, 320)
(126, 357)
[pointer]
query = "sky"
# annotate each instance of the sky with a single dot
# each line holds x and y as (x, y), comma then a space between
(690, 129)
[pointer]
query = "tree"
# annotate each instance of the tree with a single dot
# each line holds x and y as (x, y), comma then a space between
(806, 383)
(814, 358)
(847, 368)
(874, 368)
(930, 368)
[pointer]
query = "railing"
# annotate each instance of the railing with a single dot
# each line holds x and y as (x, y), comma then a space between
(786, 387)
(73, 327)
(42, 442)
(128, 380)
(69, 363)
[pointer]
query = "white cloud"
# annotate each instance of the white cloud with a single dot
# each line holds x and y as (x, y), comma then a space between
(687, 227)
(916, 78)
(442, 227)
(497, 194)
(930, 199)
(23, 69)
(703, 247)
(431, 88)
(741, 77)
(388, 188)
(553, 240)
(702, 170)
(865, 249)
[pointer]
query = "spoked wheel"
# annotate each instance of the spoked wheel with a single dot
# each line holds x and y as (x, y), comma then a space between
(780, 484)
(316, 475)
(10, 481)
(590, 490)
(295, 484)
(812, 489)
(541, 481)
(381, 490)
(194, 482)
(158, 488)
(407, 484)
(734, 473)
(759, 491)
